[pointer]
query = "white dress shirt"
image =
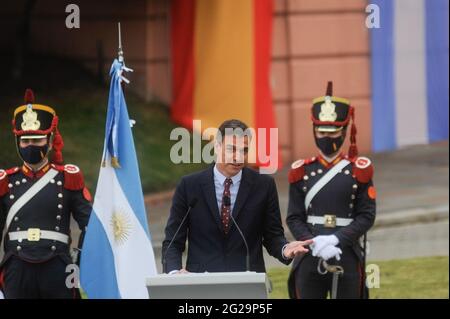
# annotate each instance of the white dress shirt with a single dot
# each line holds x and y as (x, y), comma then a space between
(219, 184)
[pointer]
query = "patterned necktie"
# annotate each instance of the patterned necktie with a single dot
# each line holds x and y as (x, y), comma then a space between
(226, 205)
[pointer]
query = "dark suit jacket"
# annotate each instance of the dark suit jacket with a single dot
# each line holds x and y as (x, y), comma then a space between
(256, 211)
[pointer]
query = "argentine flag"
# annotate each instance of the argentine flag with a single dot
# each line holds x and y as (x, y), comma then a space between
(117, 254)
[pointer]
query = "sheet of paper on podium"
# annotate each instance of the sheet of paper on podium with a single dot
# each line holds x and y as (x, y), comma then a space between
(220, 285)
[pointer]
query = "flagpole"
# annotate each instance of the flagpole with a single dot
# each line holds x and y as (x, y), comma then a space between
(120, 52)
(114, 159)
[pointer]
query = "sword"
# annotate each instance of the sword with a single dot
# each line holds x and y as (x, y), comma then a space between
(336, 270)
(365, 290)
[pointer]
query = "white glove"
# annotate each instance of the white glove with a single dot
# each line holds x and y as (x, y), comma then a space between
(1, 295)
(320, 242)
(330, 252)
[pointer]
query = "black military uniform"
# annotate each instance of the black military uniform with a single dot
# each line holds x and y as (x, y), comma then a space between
(35, 210)
(343, 206)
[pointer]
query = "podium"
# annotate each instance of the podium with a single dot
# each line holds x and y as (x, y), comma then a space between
(219, 285)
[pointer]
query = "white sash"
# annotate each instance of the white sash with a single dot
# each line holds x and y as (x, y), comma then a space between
(324, 180)
(29, 194)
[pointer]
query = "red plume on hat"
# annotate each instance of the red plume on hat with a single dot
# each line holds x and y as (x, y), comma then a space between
(353, 149)
(329, 91)
(58, 145)
(29, 96)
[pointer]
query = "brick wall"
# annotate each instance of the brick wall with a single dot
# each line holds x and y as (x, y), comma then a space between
(313, 42)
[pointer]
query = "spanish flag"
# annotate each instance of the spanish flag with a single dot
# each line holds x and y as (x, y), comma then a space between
(221, 51)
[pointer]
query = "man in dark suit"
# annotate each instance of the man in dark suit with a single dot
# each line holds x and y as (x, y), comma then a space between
(225, 191)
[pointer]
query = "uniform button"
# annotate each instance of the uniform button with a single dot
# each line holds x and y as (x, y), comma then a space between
(16, 219)
(306, 177)
(11, 196)
(313, 173)
(58, 217)
(59, 183)
(10, 185)
(351, 205)
(310, 205)
(24, 180)
(17, 183)
(53, 248)
(305, 188)
(52, 181)
(19, 248)
(319, 171)
(18, 229)
(355, 186)
(353, 196)
(347, 172)
(60, 195)
(57, 228)
(59, 206)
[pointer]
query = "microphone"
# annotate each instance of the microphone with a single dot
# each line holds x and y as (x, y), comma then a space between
(227, 202)
(191, 205)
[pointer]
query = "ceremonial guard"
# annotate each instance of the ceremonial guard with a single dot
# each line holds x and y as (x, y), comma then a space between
(332, 201)
(37, 200)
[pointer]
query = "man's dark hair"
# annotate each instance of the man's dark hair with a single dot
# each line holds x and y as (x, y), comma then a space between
(232, 124)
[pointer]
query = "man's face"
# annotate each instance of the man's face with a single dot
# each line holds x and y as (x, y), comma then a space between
(329, 143)
(232, 154)
(327, 134)
(24, 142)
(34, 150)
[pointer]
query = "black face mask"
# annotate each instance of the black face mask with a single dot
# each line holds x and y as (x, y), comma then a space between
(329, 145)
(33, 154)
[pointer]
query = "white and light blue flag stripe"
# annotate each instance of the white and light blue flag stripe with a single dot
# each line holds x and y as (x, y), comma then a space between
(117, 254)
(410, 73)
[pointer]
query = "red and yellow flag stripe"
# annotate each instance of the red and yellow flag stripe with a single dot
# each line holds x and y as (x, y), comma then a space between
(221, 62)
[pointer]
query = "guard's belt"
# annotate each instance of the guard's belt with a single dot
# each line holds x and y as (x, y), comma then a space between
(36, 234)
(329, 221)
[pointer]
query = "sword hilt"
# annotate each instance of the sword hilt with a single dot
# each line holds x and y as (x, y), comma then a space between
(335, 269)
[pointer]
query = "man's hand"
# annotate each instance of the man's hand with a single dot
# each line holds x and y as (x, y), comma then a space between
(320, 242)
(296, 248)
(330, 251)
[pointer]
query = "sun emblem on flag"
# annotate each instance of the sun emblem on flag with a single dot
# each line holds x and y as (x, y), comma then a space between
(121, 226)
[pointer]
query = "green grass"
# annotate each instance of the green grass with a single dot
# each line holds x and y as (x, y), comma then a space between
(80, 102)
(418, 278)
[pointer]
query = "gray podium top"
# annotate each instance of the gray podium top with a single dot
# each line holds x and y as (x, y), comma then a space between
(218, 285)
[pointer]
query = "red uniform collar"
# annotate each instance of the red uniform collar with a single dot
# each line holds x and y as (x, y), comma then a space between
(327, 164)
(29, 172)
